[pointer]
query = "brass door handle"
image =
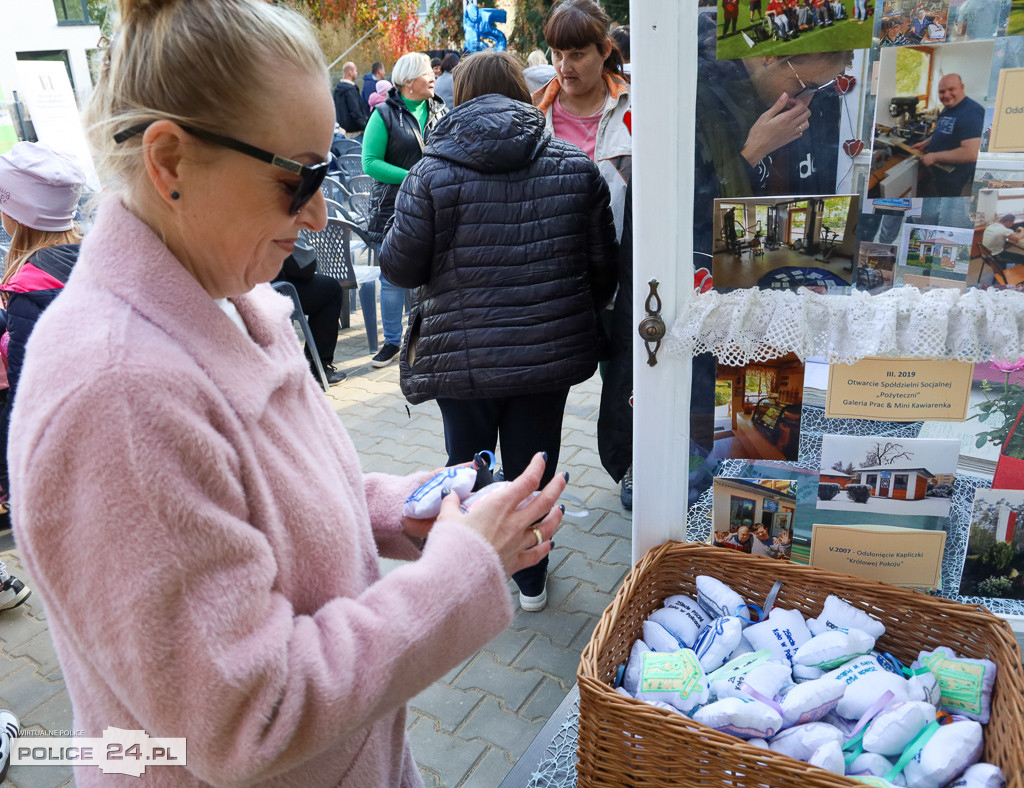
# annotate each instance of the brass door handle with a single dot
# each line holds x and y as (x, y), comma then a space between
(652, 327)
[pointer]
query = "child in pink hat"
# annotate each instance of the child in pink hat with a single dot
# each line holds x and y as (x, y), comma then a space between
(380, 95)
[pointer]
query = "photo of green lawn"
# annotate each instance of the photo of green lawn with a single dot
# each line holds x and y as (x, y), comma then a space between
(1015, 28)
(846, 33)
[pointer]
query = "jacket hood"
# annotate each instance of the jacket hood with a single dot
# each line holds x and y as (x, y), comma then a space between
(57, 261)
(490, 133)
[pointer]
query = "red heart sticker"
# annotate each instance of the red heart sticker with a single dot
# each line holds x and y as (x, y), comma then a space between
(845, 83)
(853, 147)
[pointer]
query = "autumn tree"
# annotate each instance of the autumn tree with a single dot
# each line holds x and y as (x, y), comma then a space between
(395, 25)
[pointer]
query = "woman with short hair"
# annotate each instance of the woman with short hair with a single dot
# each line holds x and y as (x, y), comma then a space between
(393, 142)
(168, 427)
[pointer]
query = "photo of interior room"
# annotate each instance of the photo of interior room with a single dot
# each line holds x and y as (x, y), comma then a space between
(784, 243)
(907, 114)
(758, 409)
(997, 254)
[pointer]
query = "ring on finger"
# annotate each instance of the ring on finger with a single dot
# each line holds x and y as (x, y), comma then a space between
(539, 535)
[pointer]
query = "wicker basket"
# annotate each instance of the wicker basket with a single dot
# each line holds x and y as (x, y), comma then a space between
(625, 742)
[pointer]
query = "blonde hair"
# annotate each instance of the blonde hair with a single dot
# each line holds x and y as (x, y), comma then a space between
(408, 67)
(537, 58)
(203, 63)
(26, 241)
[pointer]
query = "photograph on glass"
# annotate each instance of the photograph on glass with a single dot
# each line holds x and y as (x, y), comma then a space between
(887, 476)
(748, 28)
(757, 410)
(905, 22)
(971, 20)
(929, 119)
(928, 257)
(997, 255)
(994, 566)
(754, 516)
(784, 243)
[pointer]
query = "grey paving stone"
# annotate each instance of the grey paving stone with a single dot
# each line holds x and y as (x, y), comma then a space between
(514, 734)
(583, 636)
(605, 577)
(510, 643)
(430, 780)
(446, 705)
(618, 553)
(39, 777)
(9, 664)
(618, 524)
(451, 675)
(544, 701)
(559, 589)
(449, 757)
(54, 715)
(39, 649)
(592, 547)
(486, 674)
(24, 690)
(556, 625)
(489, 772)
(588, 599)
(19, 626)
(555, 661)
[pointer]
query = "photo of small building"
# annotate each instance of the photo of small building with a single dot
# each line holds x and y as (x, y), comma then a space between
(907, 484)
(884, 475)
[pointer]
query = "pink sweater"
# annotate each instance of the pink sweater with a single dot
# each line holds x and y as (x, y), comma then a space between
(195, 519)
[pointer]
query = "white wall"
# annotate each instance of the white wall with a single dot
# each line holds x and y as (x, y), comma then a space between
(30, 26)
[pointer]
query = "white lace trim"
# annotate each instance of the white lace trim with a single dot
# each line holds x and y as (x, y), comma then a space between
(757, 325)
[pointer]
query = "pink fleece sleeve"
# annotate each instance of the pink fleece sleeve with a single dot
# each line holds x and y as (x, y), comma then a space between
(385, 496)
(129, 473)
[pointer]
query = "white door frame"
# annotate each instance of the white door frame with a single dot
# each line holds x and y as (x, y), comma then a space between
(663, 43)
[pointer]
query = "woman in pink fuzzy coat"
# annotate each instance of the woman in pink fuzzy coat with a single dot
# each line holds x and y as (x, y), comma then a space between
(168, 429)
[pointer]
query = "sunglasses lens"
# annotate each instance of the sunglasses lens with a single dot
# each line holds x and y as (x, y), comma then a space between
(311, 180)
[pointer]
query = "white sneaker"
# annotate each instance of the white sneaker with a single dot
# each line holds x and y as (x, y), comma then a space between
(533, 604)
(9, 730)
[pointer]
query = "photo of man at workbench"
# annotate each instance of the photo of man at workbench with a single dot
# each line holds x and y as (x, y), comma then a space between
(929, 119)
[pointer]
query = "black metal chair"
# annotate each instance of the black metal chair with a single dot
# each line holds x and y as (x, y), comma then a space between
(333, 190)
(342, 146)
(298, 316)
(333, 246)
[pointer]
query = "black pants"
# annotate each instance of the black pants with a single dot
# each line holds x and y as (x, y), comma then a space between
(524, 426)
(321, 300)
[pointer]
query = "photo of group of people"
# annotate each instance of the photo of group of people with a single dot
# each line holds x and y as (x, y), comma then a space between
(754, 516)
(776, 27)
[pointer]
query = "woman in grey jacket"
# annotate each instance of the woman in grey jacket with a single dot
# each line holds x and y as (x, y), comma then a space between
(508, 232)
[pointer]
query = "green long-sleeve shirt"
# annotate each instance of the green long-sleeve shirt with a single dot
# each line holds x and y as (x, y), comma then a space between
(375, 144)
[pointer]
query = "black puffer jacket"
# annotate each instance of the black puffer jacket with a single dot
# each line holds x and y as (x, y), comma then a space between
(405, 148)
(510, 234)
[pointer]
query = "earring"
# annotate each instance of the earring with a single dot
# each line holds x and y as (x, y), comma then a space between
(175, 196)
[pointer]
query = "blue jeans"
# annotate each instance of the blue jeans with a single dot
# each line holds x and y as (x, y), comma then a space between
(392, 306)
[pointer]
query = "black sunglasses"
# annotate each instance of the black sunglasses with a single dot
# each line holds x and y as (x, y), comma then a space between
(310, 177)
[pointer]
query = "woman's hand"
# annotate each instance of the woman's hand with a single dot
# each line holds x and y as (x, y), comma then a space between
(513, 532)
(785, 121)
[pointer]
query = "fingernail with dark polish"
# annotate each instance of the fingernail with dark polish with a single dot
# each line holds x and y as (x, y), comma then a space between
(566, 475)
(552, 544)
(562, 507)
(444, 491)
(544, 454)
